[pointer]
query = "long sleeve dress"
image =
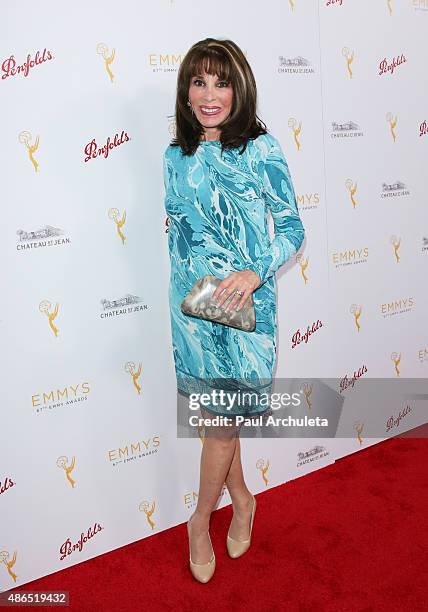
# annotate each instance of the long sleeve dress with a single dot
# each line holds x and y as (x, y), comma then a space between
(217, 205)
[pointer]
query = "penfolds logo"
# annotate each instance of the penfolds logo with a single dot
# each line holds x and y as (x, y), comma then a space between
(298, 337)
(395, 421)
(11, 68)
(67, 548)
(7, 484)
(350, 382)
(92, 150)
(385, 66)
(423, 129)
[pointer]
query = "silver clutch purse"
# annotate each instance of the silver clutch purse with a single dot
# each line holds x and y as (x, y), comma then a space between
(199, 303)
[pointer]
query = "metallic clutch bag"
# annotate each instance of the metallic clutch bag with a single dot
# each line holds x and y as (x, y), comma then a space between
(199, 303)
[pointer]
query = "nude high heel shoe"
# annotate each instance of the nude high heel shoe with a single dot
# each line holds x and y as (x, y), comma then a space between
(236, 548)
(203, 572)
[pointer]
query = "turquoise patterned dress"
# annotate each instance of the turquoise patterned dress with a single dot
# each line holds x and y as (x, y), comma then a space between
(217, 205)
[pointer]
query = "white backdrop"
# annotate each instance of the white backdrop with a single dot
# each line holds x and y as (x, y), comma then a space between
(90, 457)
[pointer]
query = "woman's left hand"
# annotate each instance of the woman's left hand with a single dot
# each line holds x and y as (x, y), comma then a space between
(246, 281)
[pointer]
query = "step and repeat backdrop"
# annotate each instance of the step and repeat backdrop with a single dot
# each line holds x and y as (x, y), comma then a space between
(91, 459)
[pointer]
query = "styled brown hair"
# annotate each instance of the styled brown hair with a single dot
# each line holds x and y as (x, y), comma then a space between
(226, 60)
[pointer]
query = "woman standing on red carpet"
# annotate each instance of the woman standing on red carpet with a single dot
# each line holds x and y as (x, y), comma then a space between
(223, 172)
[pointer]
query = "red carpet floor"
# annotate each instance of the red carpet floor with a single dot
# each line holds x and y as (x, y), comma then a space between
(350, 537)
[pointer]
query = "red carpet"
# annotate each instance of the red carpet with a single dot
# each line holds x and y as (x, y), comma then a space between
(352, 536)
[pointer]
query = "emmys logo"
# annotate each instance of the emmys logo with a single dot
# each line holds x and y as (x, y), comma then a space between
(350, 257)
(263, 467)
(349, 57)
(358, 426)
(125, 305)
(308, 201)
(392, 125)
(168, 62)
(352, 190)
(102, 50)
(172, 128)
(386, 67)
(422, 356)
(24, 138)
(396, 359)
(395, 421)
(62, 464)
(133, 451)
(296, 128)
(9, 67)
(298, 337)
(303, 263)
(423, 129)
(4, 558)
(114, 215)
(6, 485)
(389, 309)
(346, 382)
(346, 130)
(314, 454)
(307, 389)
(356, 310)
(44, 308)
(68, 548)
(92, 151)
(54, 398)
(40, 238)
(394, 190)
(148, 509)
(135, 374)
(295, 65)
(396, 242)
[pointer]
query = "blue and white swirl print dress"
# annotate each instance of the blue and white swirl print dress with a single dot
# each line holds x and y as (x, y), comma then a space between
(217, 205)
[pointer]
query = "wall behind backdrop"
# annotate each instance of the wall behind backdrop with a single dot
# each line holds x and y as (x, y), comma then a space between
(90, 456)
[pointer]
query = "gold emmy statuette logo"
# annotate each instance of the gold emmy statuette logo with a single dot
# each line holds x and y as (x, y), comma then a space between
(396, 358)
(352, 189)
(396, 244)
(148, 510)
(44, 307)
(349, 59)
(303, 263)
(392, 124)
(130, 368)
(62, 463)
(292, 123)
(307, 392)
(358, 426)
(171, 126)
(260, 465)
(4, 558)
(24, 138)
(113, 214)
(356, 311)
(102, 50)
(292, 4)
(389, 5)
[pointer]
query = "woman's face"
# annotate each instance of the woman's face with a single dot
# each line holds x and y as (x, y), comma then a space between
(211, 99)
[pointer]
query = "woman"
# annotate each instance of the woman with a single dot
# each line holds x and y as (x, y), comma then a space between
(222, 172)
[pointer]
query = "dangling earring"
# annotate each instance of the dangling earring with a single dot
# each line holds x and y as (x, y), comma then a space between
(190, 104)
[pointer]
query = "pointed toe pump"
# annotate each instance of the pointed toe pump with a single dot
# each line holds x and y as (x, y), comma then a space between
(236, 548)
(203, 572)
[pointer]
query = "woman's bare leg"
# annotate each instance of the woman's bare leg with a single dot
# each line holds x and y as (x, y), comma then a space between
(242, 500)
(217, 453)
